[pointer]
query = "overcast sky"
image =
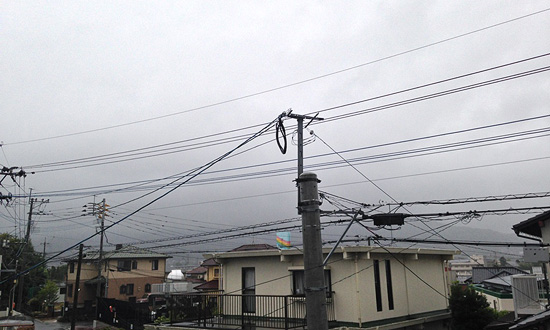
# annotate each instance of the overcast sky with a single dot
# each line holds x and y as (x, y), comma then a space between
(82, 80)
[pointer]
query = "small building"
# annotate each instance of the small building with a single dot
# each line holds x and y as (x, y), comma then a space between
(480, 274)
(212, 269)
(365, 286)
(535, 228)
(461, 269)
(197, 274)
(126, 273)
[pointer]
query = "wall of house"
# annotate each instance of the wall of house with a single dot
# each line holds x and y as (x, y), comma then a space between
(545, 231)
(211, 275)
(354, 298)
(499, 303)
(266, 268)
(86, 293)
(88, 271)
(144, 268)
(144, 274)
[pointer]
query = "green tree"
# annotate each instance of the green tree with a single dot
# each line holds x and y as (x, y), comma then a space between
(48, 293)
(16, 251)
(469, 309)
(57, 274)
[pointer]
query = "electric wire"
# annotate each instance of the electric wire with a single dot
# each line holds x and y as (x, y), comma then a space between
(100, 159)
(431, 230)
(292, 84)
(202, 169)
(379, 156)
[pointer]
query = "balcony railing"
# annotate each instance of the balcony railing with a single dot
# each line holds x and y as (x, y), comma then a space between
(216, 310)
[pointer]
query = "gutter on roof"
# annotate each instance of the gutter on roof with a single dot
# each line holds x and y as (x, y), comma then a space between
(518, 234)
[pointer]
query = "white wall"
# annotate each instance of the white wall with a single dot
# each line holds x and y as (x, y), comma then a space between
(354, 296)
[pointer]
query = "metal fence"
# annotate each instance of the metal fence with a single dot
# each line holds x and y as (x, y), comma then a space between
(216, 310)
(123, 314)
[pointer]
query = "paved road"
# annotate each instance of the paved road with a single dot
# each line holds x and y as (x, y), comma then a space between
(54, 325)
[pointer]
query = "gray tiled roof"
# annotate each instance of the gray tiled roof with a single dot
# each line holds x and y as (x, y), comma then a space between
(531, 321)
(128, 252)
(480, 274)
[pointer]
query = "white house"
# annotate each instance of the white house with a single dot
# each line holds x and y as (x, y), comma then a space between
(366, 286)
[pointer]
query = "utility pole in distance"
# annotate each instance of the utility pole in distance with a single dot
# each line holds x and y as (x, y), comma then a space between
(76, 287)
(316, 310)
(102, 214)
(21, 278)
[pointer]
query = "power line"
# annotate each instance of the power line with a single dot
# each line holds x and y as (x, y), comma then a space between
(477, 199)
(465, 144)
(182, 182)
(291, 84)
(419, 217)
(458, 242)
(235, 233)
(437, 94)
(132, 155)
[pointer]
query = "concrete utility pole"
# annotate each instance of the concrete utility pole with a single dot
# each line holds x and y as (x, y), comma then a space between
(76, 287)
(102, 214)
(44, 248)
(300, 130)
(316, 311)
(21, 278)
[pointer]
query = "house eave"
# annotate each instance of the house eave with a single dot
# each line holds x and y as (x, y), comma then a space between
(447, 254)
(532, 226)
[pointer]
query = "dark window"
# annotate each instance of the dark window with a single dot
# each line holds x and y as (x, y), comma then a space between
(134, 264)
(147, 288)
(62, 290)
(377, 288)
(129, 289)
(155, 264)
(249, 290)
(122, 289)
(71, 267)
(124, 265)
(389, 285)
(69, 290)
(328, 283)
(298, 283)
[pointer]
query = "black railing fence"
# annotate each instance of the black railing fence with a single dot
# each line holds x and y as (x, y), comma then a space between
(123, 314)
(216, 310)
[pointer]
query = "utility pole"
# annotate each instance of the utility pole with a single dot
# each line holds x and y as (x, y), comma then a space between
(300, 130)
(21, 278)
(29, 222)
(76, 287)
(12, 292)
(44, 249)
(316, 311)
(102, 214)
(22, 264)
